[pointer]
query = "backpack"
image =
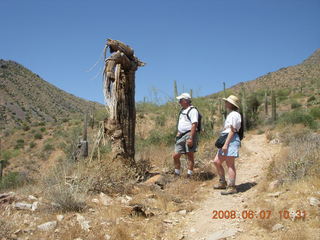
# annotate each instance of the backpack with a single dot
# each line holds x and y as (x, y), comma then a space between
(241, 130)
(199, 117)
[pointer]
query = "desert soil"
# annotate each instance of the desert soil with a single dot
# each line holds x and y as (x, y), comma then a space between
(256, 155)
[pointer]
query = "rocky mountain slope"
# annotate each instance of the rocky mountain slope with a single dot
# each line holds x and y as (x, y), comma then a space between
(26, 97)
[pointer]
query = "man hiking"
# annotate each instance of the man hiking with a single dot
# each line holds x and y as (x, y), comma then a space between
(186, 139)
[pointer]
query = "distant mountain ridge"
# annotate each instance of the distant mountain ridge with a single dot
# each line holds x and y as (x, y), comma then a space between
(26, 97)
(293, 77)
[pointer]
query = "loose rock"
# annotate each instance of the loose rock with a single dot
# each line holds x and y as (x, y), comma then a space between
(314, 201)
(277, 227)
(47, 226)
(83, 223)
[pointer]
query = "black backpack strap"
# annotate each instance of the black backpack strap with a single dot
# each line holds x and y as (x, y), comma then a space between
(189, 112)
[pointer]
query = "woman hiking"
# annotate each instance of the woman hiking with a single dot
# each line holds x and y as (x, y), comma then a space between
(229, 150)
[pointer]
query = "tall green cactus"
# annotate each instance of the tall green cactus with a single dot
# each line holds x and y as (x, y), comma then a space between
(274, 106)
(175, 89)
(244, 108)
(266, 103)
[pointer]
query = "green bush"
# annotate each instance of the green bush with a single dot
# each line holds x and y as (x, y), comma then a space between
(32, 144)
(295, 105)
(160, 120)
(296, 117)
(12, 180)
(26, 127)
(38, 136)
(42, 129)
(311, 99)
(315, 112)
(19, 144)
(48, 147)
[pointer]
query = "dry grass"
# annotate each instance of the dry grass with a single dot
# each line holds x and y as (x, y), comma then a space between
(5, 229)
(297, 167)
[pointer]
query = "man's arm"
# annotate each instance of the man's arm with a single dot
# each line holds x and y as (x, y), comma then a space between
(192, 134)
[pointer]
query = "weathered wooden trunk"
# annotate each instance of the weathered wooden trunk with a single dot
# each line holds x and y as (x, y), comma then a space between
(119, 90)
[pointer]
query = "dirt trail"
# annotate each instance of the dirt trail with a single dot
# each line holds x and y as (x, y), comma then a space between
(255, 156)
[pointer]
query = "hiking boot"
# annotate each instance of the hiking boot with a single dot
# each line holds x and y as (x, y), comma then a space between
(230, 190)
(220, 185)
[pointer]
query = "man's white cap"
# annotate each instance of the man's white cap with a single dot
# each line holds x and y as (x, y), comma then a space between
(184, 96)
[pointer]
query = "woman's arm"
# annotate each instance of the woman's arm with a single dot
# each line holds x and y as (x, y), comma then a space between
(228, 140)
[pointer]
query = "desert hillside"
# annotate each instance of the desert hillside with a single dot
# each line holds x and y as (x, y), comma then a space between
(25, 97)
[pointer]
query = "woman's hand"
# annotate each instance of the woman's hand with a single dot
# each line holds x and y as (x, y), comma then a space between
(225, 149)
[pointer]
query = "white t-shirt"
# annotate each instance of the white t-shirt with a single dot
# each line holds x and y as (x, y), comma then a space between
(234, 120)
(184, 123)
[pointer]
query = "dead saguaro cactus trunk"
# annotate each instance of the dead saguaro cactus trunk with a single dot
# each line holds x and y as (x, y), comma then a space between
(119, 91)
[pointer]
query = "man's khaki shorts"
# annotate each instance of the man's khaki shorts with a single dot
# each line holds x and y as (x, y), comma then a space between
(182, 147)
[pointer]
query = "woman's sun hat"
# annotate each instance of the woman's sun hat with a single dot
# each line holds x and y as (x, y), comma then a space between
(233, 100)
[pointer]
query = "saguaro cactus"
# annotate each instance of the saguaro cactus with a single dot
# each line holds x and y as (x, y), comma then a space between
(244, 108)
(274, 106)
(175, 89)
(119, 90)
(84, 141)
(266, 103)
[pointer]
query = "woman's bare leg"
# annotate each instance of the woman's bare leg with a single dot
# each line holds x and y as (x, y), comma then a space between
(231, 170)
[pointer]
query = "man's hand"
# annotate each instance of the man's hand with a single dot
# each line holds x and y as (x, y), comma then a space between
(190, 142)
(225, 149)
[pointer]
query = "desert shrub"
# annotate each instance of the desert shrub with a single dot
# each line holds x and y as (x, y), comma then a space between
(296, 117)
(161, 137)
(13, 180)
(295, 105)
(66, 198)
(315, 112)
(311, 99)
(32, 145)
(160, 120)
(41, 124)
(38, 136)
(8, 154)
(42, 129)
(303, 158)
(26, 127)
(67, 194)
(48, 147)
(19, 144)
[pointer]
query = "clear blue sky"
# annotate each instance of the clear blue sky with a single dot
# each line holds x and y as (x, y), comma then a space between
(198, 43)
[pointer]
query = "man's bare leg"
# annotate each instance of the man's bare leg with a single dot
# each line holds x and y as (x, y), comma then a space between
(190, 162)
(177, 163)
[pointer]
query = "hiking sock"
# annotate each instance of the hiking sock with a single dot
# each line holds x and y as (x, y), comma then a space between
(190, 172)
(177, 171)
(232, 182)
(222, 179)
